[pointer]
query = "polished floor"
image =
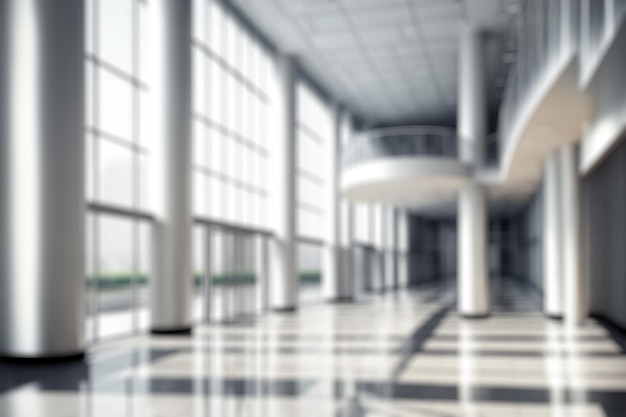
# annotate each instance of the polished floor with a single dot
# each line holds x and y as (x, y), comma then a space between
(396, 355)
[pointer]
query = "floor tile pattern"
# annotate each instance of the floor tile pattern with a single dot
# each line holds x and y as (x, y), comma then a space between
(394, 355)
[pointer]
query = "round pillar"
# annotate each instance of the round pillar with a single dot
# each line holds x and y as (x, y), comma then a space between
(284, 279)
(42, 213)
(552, 262)
(473, 286)
(472, 101)
(575, 305)
(332, 274)
(171, 287)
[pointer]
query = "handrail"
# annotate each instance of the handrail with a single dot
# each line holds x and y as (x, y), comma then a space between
(401, 141)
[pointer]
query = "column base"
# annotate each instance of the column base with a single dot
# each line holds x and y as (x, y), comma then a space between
(340, 300)
(552, 316)
(72, 357)
(479, 316)
(185, 331)
(283, 310)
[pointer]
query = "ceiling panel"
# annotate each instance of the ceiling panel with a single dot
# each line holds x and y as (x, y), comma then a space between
(392, 61)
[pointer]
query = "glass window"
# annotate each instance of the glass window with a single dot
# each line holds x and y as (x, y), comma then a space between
(116, 27)
(199, 17)
(199, 79)
(144, 254)
(314, 136)
(199, 283)
(115, 263)
(220, 277)
(118, 276)
(310, 272)
(115, 105)
(118, 148)
(115, 173)
(118, 126)
(364, 224)
(229, 99)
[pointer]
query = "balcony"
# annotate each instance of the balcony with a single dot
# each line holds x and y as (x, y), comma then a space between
(416, 165)
(439, 142)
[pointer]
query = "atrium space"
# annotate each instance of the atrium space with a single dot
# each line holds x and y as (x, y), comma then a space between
(343, 208)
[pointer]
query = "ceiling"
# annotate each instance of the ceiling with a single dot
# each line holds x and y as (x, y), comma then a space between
(389, 61)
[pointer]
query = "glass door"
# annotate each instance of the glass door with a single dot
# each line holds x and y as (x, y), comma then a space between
(117, 282)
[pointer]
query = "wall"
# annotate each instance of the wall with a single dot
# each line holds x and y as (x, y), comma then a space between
(528, 262)
(516, 247)
(432, 250)
(607, 96)
(604, 217)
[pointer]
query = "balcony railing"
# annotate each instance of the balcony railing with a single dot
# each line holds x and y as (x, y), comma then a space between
(547, 34)
(401, 142)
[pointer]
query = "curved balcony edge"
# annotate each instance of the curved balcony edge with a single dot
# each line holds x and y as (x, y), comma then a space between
(401, 141)
(397, 179)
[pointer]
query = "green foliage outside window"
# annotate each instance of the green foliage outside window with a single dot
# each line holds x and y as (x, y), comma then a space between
(118, 280)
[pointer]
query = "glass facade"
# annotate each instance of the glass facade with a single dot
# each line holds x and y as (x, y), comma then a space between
(118, 276)
(314, 136)
(314, 132)
(232, 79)
(117, 168)
(234, 85)
(309, 272)
(118, 142)
(234, 285)
(364, 224)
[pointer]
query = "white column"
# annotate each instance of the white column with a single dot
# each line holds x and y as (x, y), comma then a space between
(42, 207)
(284, 282)
(171, 88)
(552, 235)
(473, 286)
(575, 305)
(331, 277)
(472, 101)
(348, 278)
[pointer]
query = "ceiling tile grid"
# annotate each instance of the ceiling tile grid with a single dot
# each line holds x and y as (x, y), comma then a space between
(391, 61)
